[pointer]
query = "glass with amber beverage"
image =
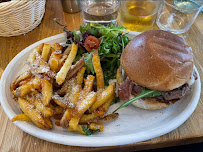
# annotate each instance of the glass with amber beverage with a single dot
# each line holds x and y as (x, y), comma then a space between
(138, 15)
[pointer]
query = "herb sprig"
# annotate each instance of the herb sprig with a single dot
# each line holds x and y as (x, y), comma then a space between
(145, 93)
(88, 131)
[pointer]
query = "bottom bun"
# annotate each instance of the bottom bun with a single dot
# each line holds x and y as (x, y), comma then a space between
(152, 103)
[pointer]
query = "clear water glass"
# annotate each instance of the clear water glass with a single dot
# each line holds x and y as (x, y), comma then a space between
(177, 16)
(100, 11)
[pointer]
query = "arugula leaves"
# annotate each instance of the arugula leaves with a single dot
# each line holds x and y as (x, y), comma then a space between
(88, 63)
(110, 50)
(144, 93)
(106, 30)
(75, 36)
(88, 131)
(85, 28)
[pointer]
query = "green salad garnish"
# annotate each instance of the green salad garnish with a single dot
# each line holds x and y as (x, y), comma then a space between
(112, 43)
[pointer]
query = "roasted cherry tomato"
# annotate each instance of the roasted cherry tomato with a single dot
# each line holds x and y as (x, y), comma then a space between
(91, 42)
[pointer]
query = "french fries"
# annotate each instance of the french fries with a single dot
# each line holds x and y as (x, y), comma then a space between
(103, 97)
(22, 77)
(32, 57)
(73, 123)
(81, 108)
(106, 105)
(67, 51)
(66, 118)
(58, 110)
(46, 52)
(96, 126)
(33, 114)
(98, 71)
(45, 111)
(64, 56)
(105, 119)
(61, 102)
(75, 68)
(37, 83)
(57, 46)
(48, 122)
(86, 103)
(69, 90)
(39, 66)
(119, 76)
(61, 75)
(38, 49)
(54, 60)
(47, 91)
(86, 118)
(78, 129)
(53, 87)
(24, 81)
(88, 85)
(80, 76)
(61, 61)
(66, 85)
(24, 90)
(21, 117)
(76, 96)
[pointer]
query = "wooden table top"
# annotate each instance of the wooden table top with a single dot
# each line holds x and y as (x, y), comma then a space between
(13, 139)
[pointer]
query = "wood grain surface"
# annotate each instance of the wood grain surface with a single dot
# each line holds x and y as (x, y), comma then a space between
(12, 139)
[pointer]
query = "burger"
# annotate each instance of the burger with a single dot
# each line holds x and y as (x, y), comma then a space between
(160, 61)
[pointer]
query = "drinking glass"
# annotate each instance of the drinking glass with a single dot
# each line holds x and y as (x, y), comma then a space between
(138, 15)
(100, 11)
(177, 16)
(71, 6)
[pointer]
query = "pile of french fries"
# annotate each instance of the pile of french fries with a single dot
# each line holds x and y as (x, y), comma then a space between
(55, 90)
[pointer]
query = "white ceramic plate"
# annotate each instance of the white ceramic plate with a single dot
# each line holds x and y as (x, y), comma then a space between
(133, 124)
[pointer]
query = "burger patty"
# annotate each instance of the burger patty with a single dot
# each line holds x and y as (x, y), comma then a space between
(175, 94)
(128, 87)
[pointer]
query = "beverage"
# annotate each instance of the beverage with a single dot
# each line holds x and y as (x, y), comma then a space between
(138, 15)
(177, 16)
(186, 6)
(101, 12)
